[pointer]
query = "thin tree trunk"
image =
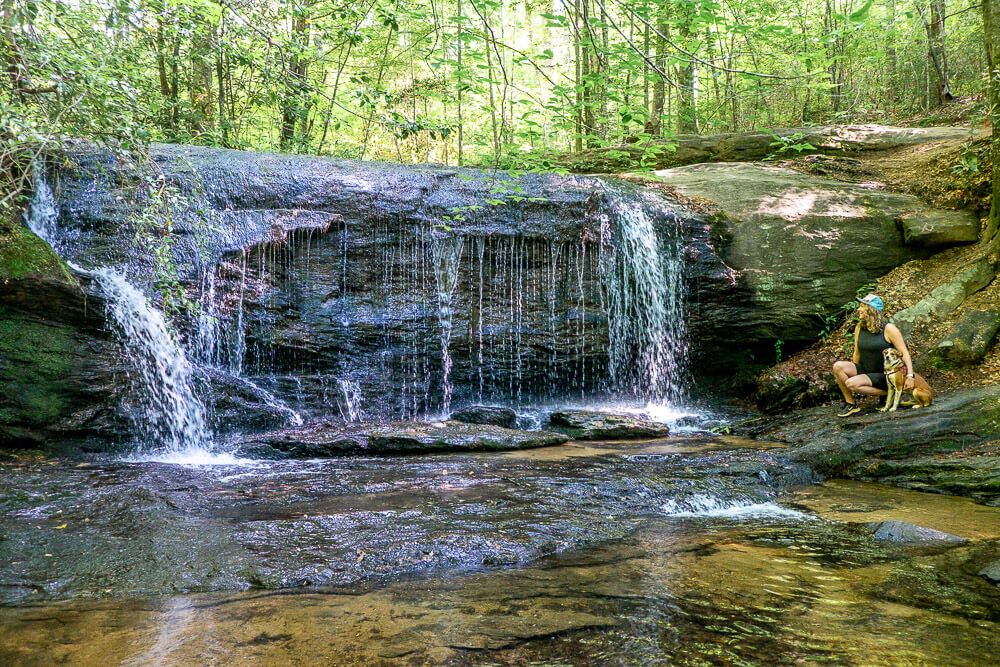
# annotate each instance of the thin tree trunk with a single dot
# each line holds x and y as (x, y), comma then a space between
(991, 34)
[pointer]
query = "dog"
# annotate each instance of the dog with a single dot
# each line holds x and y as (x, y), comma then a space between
(895, 376)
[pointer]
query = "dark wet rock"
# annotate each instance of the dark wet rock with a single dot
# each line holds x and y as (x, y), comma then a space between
(991, 572)
(594, 425)
(940, 227)
(797, 247)
(968, 341)
(321, 272)
(777, 392)
(60, 370)
(327, 439)
(945, 298)
(950, 447)
(901, 532)
(486, 414)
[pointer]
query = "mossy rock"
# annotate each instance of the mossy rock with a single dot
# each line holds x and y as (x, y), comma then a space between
(23, 254)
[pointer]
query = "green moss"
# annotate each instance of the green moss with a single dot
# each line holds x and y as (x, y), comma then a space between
(37, 359)
(23, 254)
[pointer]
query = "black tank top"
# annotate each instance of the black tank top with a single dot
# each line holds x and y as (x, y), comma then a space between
(870, 346)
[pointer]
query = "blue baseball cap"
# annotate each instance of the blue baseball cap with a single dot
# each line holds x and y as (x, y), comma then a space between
(873, 300)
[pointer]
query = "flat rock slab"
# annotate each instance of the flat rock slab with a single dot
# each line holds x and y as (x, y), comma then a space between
(324, 439)
(486, 414)
(901, 532)
(592, 425)
(940, 227)
(950, 447)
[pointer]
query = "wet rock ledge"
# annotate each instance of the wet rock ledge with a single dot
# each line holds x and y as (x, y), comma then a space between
(953, 447)
(404, 437)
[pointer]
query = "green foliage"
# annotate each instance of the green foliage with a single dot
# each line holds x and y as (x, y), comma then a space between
(494, 82)
(788, 146)
(968, 162)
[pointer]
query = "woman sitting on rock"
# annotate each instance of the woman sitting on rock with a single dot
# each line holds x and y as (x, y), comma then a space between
(863, 374)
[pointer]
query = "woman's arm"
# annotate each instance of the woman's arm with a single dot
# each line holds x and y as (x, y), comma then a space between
(895, 337)
(856, 356)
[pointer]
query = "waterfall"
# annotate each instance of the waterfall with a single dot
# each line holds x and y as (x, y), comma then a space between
(42, 215)
(644, 293)
(171, 419)
(447, 255)
(171, 415)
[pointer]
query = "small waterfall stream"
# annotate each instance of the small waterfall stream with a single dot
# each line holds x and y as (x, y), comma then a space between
(170, 420)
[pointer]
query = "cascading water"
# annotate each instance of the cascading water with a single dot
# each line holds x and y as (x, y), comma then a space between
(170, 419)
(171, 415)
(447, 254)
(644, 293)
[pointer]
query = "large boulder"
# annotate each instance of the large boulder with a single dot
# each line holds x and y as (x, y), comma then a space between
(597, 425)
(798, 247)
(968, 341)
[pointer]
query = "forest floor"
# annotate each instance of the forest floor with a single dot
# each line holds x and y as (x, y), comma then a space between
(948, 174)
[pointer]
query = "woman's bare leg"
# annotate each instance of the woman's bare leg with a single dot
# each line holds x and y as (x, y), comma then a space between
(843, 371)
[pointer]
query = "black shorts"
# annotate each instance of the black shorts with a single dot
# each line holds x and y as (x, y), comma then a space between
(877, 379)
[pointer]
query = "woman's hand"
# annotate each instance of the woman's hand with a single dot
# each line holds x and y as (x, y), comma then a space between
(909, 384)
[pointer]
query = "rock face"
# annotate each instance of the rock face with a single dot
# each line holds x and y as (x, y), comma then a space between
(58, 366)
(969, 340)
(324, 439)
(951, 447)
(799, 246)
(486, 414)
(397, 290)
(363, 290)
(591, 425)
(940, 228)
(901, 532)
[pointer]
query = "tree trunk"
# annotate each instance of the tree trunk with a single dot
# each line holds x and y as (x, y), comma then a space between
(292, 106)
(936, 49)
(991, 34)
(659, 86)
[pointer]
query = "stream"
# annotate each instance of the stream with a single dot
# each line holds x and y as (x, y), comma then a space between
(672, 551)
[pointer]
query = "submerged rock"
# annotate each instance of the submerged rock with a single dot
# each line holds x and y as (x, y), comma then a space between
(901, 532)
(593, 425)
(486, 414)
(991, 572)
(403, 437)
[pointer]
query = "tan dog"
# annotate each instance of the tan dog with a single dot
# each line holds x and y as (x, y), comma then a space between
(895, 376)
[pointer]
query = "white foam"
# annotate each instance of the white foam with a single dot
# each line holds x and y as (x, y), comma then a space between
(189, 456)
(704, 505)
